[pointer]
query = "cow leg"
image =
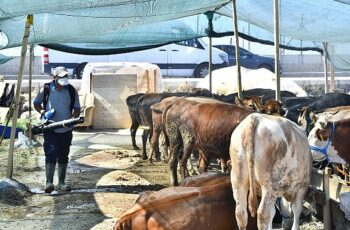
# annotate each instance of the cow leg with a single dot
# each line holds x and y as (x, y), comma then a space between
(175, 144)
(285, 208)
(203, 163)
(156, 147)
(144, 142)
(223, 164)
(164, 142)
(240, 187)
(297, 207)
(173, 161)
(133, 130)
(154, 141)
(188, 144)
(266, 209)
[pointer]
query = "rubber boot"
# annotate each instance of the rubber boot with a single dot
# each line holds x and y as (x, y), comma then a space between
(62, 169)
(50, 171)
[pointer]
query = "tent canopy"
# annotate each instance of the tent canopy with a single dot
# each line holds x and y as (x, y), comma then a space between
(122, 26)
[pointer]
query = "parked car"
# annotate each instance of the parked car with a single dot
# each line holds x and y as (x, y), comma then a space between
(187, 58)
(248, 59)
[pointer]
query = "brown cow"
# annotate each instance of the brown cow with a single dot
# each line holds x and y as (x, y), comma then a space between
(274, 107)
(271, 106)
(202, 126)
(207, 204)
(271, 154)
(334, 137)
(157, 121)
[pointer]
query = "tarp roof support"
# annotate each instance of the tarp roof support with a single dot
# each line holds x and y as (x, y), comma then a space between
(325, 66)
(210, 15)
(238, 65)
(28, 23)
(277, 50)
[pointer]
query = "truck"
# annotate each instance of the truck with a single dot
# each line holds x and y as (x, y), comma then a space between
(189, 58)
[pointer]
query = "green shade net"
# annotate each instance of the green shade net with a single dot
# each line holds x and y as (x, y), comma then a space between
(4, 59)
(116, 26)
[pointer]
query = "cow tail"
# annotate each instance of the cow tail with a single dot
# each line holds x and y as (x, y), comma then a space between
(165, 111)
(249, 143)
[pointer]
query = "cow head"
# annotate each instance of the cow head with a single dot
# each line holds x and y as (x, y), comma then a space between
(274, 107)
(306, 119)
(319, 137)
(254, 102)
(239, 102)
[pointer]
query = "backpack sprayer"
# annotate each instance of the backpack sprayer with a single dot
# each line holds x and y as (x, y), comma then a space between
(39, 129)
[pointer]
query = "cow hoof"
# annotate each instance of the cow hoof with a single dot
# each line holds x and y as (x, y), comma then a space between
(136, 147)
(144, 157)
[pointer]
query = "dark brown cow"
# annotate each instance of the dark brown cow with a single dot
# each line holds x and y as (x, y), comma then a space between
(207, 204)
(202, 126)
(131, 102)
(336, 136)
(157, 125)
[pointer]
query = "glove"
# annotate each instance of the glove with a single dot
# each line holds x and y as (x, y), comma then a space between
(49, 114)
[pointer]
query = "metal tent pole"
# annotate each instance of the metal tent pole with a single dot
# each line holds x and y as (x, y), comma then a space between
(239, 79)
(325, 66)
(277, 44)
(29, 22)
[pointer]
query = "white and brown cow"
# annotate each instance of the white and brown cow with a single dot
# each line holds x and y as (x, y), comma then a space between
(331, 140)
(271, 155)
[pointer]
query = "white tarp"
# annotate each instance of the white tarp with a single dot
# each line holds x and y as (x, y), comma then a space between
(148, 75)
(224, 81)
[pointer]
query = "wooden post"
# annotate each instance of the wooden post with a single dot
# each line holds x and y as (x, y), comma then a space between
(155, 81)
(325, 66)
(29, 22)
(326, 206)
(210, 65)
(238, 65)
(277, 44)
(332, 86)
(210, 31)
(31, 57)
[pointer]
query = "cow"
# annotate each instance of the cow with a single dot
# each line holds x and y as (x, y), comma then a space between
(307, 119)
(143, 111)
(203, 202)
(157, 120)
(274, 107)
(203, 126)
(316, 105)
(265, 94)
(330, 141)
(268, 154)
(271, 106)
(135, 121)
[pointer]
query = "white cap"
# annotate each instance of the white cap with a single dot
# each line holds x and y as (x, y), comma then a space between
(62, 75)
